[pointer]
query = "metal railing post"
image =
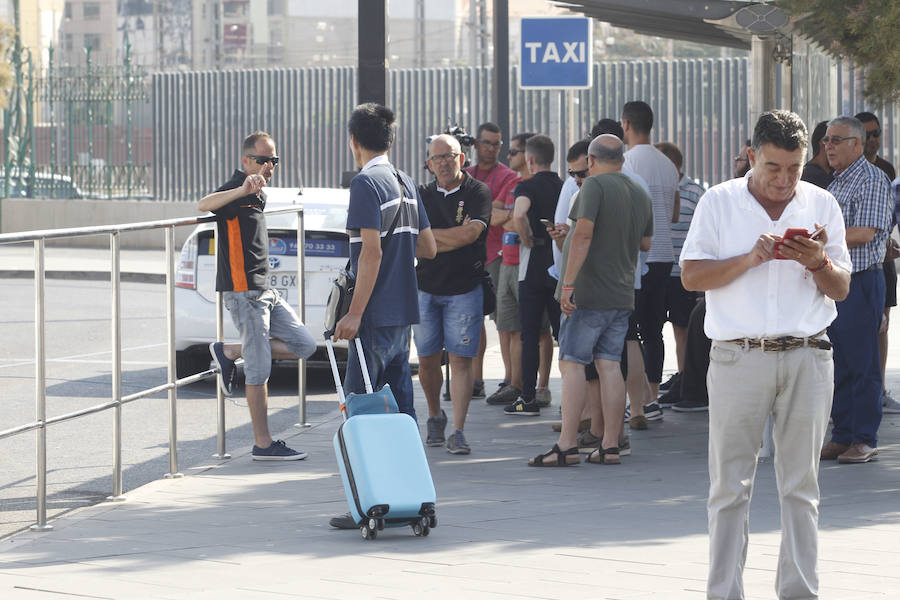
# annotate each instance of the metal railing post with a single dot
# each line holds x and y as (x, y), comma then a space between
(172, 374)
(114, 279)
(40, 387)
(220, 395)
(301, 305)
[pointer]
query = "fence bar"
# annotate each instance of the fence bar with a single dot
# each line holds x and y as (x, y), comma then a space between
(301, 305)
(170, 327)
(220, 395)
(40, 386)
(114, 278)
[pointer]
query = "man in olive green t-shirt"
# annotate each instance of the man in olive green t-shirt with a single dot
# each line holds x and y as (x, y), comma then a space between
(613, 220)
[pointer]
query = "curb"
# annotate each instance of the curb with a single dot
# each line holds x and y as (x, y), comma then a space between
(131, 277)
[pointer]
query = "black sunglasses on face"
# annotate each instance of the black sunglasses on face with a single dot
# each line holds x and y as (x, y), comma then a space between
(514, 151)
(580, 174)
(873, 134)
(261, 160)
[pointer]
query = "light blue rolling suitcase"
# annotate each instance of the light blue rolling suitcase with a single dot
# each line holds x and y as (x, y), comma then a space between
(381, 460)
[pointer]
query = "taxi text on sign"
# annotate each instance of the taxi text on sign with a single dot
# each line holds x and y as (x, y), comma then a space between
(555, 53)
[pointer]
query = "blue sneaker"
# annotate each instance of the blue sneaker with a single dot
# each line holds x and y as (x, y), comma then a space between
(225, 366)
(277, 451)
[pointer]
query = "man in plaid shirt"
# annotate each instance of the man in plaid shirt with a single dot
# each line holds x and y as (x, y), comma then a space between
(864, 195)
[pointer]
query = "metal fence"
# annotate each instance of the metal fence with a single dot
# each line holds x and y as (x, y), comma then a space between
(700, 104)
(80, 131)
(118, 400)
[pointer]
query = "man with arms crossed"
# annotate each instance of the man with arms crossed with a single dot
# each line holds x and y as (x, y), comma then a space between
(451, 301)
(385, 301)
(769, 355)
(268, 326)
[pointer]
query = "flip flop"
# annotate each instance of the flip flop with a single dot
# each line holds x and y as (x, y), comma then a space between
(563, 458)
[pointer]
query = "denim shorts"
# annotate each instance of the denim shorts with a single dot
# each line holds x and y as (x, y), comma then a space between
(451, 322)
(259, 315)
(586, 335)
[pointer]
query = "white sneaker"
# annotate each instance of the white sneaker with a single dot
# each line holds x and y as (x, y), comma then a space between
(889, 405)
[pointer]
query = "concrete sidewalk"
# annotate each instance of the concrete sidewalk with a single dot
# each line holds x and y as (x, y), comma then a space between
(240, 529)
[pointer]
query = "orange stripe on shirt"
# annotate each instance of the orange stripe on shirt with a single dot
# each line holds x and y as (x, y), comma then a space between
(236, 256)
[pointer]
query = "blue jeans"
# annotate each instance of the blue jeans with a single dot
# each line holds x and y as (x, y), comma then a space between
(387, 356)
(856, 410)
(451, 322)
(588, 334)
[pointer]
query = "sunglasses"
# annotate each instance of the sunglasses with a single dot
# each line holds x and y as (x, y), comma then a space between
(873, 134)
(579, 174)
(835, 139)
(261, 160)
(514, 151)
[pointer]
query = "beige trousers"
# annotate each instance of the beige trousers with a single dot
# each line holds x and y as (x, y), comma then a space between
(745, 386)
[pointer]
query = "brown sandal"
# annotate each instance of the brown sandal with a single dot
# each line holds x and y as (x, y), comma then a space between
(563, 458)
(605, 456)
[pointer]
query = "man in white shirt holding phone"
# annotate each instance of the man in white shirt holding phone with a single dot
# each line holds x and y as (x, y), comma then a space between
(770, 355)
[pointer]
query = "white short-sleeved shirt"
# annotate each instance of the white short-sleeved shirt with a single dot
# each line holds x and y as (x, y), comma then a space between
(569, 189)
(778, 297)
(661, 176)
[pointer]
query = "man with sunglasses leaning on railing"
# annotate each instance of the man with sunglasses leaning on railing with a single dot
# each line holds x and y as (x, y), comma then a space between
(268, 326)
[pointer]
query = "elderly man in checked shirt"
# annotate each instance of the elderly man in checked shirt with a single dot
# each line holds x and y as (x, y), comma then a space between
(864, 195)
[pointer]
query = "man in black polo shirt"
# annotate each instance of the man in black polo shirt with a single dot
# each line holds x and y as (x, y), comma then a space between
(451, 301)
(535, 200)
(268, 326)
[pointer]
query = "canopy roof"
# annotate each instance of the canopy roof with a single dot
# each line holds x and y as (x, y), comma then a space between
(713, 22)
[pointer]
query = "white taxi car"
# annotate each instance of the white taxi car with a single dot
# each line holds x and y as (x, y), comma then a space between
(327, 249)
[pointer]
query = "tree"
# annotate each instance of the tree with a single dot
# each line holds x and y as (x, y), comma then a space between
(865, 31)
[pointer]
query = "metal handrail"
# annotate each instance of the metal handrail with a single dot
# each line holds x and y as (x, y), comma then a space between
(118, 400)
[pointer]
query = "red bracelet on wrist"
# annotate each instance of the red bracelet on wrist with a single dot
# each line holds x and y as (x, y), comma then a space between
(825, 263)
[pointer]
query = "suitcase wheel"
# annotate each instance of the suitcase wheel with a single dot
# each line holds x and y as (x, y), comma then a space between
(421, 528)
(368, 533)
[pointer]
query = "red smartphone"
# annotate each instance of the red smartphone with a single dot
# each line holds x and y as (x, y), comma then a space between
(790, 234)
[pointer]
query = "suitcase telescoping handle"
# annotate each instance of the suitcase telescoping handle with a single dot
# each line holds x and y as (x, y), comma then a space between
(337, 375)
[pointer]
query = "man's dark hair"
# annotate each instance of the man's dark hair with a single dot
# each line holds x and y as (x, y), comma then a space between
(522, 138)
(540, 147)
(639, 114)
(372, 126)
(249, 144)
(672, 152)
(867, 117)
(781, 128)
(577, 150)
(487, 126)
(609, 126)
(816, 139)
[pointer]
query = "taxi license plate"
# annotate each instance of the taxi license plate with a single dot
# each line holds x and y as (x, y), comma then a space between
(283, 282)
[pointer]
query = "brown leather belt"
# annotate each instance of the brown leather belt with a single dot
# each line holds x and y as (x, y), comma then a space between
(783, 344)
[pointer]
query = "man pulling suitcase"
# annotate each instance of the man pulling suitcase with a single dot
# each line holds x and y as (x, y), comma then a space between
(385, 301)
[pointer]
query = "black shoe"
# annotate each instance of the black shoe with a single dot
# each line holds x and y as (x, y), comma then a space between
(671, 381)
(653, 411)
(225, 366)
(478, 389)
(344, 521)
(521, 407)
(691, 406)
(673, 396)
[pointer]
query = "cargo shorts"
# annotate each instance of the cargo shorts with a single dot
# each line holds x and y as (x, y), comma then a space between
(258, 316)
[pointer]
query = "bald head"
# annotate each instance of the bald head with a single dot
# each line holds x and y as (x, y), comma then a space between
(443, 143)
(607, 149)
